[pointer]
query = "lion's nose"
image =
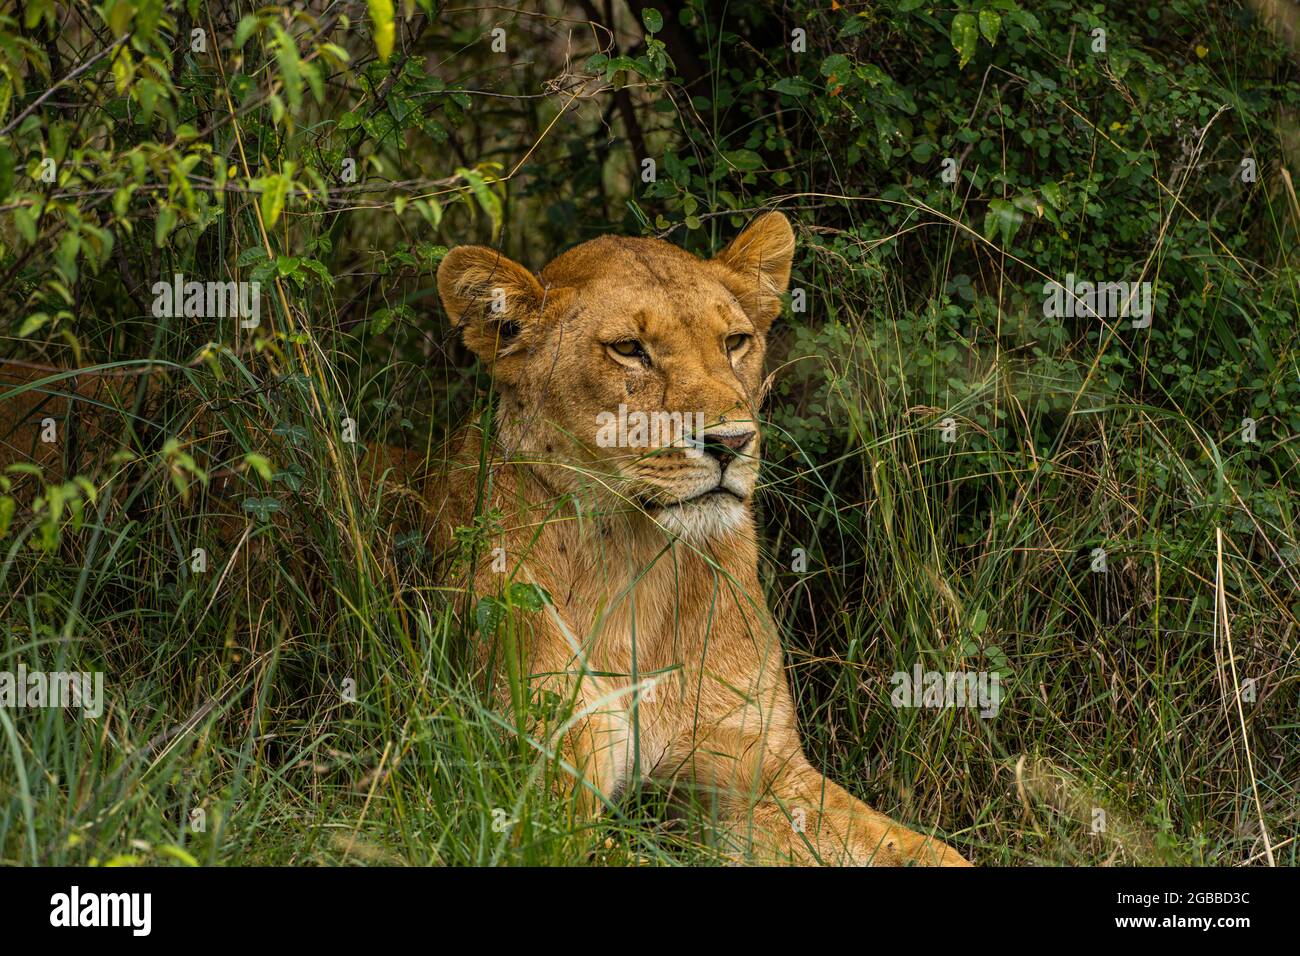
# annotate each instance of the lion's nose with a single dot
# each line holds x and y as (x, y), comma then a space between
(725, 448)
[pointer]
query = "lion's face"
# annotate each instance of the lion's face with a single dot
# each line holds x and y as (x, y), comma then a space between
(632, 366)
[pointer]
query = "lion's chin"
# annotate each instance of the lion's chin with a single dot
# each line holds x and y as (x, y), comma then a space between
(702, 519)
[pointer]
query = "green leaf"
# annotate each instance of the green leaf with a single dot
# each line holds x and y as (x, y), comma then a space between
(380, 321)
(488, 615)
(119, 16)
(1026, 202)
(430, 209)
(1002, 218)
(625, 63)
(964, 35)
(530, 597)
(1026, 20)
(32, 324)
(25, 220)
(291, 478)
(791, 86)
(989, 24)
(311, 74)
(263, 508)
(162, 227)
(321, 273)
(260, 464)
(247, 24)
(286, 55)
(176, 853)
(251, 256)
(381, 15)
(653, 20)
(836, 65)
(381, 126)
(65, 256)
(36, 9)
(274, 190)
(487, 199)
(743, 159)
(295, 433)
(6, 171)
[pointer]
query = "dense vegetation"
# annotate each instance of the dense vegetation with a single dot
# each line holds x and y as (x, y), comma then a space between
(953, 461)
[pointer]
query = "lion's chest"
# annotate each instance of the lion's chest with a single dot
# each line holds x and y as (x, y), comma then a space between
(668, 620)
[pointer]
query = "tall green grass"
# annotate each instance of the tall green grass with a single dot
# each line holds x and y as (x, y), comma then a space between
(226, 688)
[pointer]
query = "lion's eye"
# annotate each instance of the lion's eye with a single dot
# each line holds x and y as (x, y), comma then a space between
(630, 348)
(737, 341)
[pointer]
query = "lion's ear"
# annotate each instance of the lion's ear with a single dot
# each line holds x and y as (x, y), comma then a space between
(759, 259)
(490, 298)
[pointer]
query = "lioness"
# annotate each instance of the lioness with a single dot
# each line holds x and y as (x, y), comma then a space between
(657, 628)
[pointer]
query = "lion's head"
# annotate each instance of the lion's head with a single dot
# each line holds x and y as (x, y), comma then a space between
(630, 369)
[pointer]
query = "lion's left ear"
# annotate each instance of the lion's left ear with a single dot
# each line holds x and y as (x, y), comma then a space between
(759, 260)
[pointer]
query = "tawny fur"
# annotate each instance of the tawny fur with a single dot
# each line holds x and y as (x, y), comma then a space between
(633, 563)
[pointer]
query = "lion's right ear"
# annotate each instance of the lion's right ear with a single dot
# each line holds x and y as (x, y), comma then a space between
(490, 298)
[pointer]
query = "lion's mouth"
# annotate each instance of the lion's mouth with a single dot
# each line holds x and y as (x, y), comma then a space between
(720, 490)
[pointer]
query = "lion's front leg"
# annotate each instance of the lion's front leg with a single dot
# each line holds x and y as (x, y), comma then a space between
(782, 810)
(595, 753)
(583, 721)
(816, 820)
